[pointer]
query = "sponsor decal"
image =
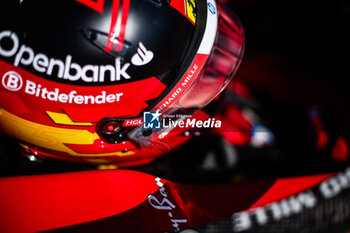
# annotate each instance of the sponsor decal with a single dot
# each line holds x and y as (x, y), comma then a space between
(278, 210)
(126, 101)
(170, 99)
(68, 69)
(183, 85)
(190, 10)
(142, 57)
(211, 8)
(12, 81)
(132, 123)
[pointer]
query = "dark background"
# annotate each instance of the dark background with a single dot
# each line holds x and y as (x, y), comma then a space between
(297, 56)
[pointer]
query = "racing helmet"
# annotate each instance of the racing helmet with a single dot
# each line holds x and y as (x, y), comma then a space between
(80, 77)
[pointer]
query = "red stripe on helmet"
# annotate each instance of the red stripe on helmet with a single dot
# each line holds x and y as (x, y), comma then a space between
(112, 30)
(125, 13)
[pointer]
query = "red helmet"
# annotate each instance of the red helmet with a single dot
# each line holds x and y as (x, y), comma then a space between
(78, 76)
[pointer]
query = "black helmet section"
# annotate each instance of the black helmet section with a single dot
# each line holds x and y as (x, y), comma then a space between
(140, 38)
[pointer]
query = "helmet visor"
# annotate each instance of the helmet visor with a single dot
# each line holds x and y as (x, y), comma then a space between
(214, 65)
